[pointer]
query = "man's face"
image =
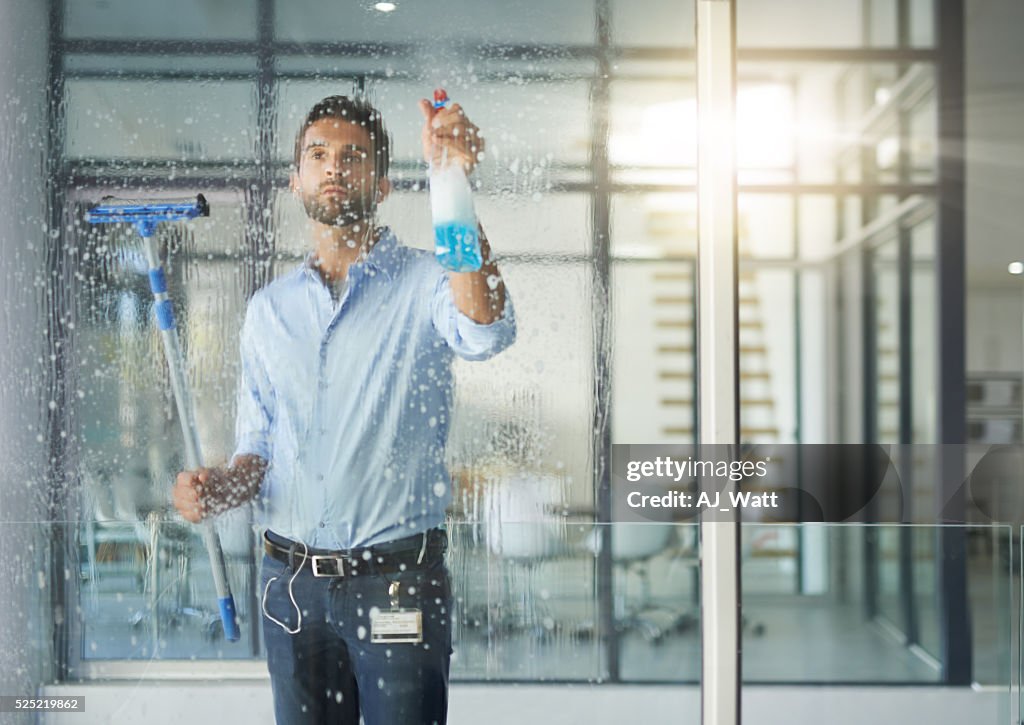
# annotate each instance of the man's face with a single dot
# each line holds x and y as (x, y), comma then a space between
(336, 179)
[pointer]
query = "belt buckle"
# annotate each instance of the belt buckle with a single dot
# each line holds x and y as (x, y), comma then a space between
(339, 563)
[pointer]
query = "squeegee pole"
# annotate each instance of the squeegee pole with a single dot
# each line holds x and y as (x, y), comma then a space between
(186, 414)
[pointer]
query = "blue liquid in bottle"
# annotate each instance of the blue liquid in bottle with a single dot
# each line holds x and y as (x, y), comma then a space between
(457, 246)
(456, 239)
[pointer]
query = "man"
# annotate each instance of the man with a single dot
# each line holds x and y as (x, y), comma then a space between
(343, 414)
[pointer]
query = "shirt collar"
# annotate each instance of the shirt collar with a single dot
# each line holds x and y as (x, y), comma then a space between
(383, 257)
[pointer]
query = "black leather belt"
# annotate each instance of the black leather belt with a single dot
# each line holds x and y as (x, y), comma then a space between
(418, 551)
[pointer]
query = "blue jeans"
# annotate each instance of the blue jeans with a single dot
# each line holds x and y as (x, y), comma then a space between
(330, 671)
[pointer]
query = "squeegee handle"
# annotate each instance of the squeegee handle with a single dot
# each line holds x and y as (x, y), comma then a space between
(186, 414)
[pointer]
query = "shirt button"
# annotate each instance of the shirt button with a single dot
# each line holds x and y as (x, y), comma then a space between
(320, 477)
(322, 525)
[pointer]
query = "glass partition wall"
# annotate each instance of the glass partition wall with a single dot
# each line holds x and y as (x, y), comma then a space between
(571, 99)
(588, 193)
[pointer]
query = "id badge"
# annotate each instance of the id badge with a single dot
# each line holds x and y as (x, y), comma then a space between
(398, 624)
(401, 625)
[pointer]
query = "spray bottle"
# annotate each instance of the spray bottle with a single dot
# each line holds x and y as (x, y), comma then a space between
(457, 244)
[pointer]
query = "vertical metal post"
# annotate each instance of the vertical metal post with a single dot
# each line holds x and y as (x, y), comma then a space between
(259, 197)
(905, 335)
(59, 297)
(869, 366)
(798, 366)
(869, 351)
(718, 350)
(259, 241)
(951, 377)
(600, 217)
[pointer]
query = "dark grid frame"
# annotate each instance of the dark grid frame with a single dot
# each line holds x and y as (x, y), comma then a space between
(265, 174)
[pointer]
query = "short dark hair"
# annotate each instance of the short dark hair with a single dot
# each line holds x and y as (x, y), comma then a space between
(357, 111)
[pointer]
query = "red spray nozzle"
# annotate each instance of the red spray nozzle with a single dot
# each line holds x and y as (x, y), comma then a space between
(440, 98)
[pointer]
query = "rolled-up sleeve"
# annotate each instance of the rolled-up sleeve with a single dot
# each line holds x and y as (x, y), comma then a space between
(255, 395)
(468, 339)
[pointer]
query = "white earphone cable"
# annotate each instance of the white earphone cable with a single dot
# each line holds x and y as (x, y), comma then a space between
(291, 595)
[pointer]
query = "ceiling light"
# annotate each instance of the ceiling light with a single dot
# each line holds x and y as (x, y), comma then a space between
(385, 7)
(1015, 268)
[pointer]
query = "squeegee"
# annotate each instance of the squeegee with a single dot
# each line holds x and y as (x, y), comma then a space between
(146, 215)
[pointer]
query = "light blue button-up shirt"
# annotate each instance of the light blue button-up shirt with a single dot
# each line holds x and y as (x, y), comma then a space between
(350, 403)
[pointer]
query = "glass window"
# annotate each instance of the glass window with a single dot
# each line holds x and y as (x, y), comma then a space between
(870, 653)
(662, 23)
(923, 153)
(166, 121)
(529, 411)
(818, 226)
(799, 24)
(766, 225)
(653, 131)
(767, 337)
(653, 380)
(524, 579)
(922, 23)
(653, 225)
(923, 328)
(541, 227)
(441, 29)
(532, 129)
(131, 442)
(880, 16)
(151, 19)
(887, 342)
(525, 441)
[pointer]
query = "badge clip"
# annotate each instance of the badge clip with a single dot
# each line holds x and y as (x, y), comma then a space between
(398, 625)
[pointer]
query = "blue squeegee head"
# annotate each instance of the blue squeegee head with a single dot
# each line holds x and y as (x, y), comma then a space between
(112, 210)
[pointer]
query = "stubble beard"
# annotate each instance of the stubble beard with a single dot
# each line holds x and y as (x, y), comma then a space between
(353, 209)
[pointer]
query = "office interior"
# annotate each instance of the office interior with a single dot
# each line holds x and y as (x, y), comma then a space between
(880, 299)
